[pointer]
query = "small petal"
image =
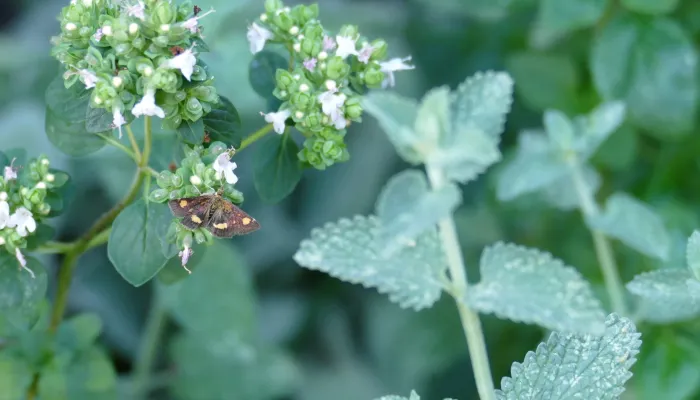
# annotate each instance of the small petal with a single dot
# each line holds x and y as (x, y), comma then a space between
(147, 105)
(88, 78)
(10, 172)
(98, 34)
(346, 46)
(4, 214)
(365, 53)
(185, 257)
(331, 104)
(138, 10)
(257, 36)
(192, 23)
(224, 168)
(22, 221)
(184, 61)
(118, 119)
(310, 64)
(389, 67)
(23, 262)
(277, 119)
(328, 43)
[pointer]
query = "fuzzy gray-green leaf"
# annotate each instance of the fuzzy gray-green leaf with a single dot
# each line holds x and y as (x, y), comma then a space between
(692, 254)
(531, 286)
(665, 295)
(562, 193)
(349, 250)
(396, 116)
(575, 366)
(635, 224)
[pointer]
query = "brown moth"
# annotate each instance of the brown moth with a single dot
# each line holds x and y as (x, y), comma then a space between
(221, 217)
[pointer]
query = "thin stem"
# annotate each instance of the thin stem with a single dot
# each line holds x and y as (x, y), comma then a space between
(292, 58)
(134, 145)
(470, 319)
(120, 146)
(608, 266)
(253, 137)
(148, 349)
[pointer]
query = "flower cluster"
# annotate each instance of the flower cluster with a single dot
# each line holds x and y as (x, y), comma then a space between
(24, 202)
(139, 57)
(202, 171)
(321, 92)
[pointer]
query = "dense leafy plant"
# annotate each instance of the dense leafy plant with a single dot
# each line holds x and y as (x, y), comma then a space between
(133, 79)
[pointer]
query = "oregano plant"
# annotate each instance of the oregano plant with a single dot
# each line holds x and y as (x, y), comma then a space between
(510, 199)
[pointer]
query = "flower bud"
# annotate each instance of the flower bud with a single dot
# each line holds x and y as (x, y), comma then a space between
(337, 68)
(348, 31)
(380, 50)
(133, 28)
(301, 100)
(158, 195)
(273, 5)
(195, 180)
(284, 79)
(199, 237)
(353, 108)
(374, 77)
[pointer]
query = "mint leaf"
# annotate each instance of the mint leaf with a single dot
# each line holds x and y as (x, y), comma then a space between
(349, 251)
(557, 19)
(562, 194)
(407, 207)
(692, 254)
(651, 65)
(396, 116)
(570, 366)
(527, 285)
(635, 224)
(481, 103)
(665, 295)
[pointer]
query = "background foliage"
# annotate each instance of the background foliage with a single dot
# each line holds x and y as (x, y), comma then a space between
(309, 336)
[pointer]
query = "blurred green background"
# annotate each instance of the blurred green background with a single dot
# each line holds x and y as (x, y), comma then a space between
(343, 341)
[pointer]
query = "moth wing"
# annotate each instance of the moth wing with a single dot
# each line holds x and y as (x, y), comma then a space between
(227, 221)
(196, 212)
(182, 207)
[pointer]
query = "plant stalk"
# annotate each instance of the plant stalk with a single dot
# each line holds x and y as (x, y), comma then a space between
(611, 275)
(470, 319)
(148, 350)
(255, 136)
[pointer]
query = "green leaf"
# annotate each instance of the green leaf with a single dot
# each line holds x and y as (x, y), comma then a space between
(396, 116)
(692, 253)
(224, 124)
(651, 66)
(545, 80)
(408, 208)
(575, 366)
(230, 369)
(134, 246)
(89, 375)
(71, 137)
(222, 279)
(527, 285)
(79, 332)
(556, 19)
(15, 377)
(276, 168)
(17, 286)
(98, 120)
(69, 104)
(619, 150)
(560, 130)
(651, 6)
(665, 296)
(262, 70)
(635, 224)
(191, 132)
(668, 370)
(349, 250)
(562, 194)
(535, 167)
(593, 129)
(412, 396)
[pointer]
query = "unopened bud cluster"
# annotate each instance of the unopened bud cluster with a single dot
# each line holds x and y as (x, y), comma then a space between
(139, 57)
(321, 92)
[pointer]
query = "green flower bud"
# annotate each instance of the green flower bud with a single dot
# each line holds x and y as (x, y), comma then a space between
(302, 100)
(353, 108)
(313, 31)
(332, 150)
(216, 148)
(283, 21)
(374, 76)
(163, 13)
(311, 47)
(165, 79)
(165, 179)
(161, 41)
(273, 5)
(44, 208)
(158, 196)
(349, 31)
(337, 68)
(204, 93)
(284, 79)
(380, 50)
(192, 110)
(199, 236)
(199, 74)
(177, 179)
(303, 13)
(232, 194)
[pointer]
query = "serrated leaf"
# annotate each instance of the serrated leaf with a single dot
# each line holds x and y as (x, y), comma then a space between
(562, 193)
(407, 208)
(396, 116)
(575, 366)
(651, 6)
(635, 224)
(276, 168)
(481, 103)
(557, 19)
(192, 132)
(692, 253)
(349, 250)
(665, 296)
(134, 245)
(262, 70)
(224, 124)
(651, 65)
(18, 289)
(527, 285)
(534, 168)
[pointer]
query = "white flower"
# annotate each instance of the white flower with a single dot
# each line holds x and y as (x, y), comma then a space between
(277, 119)
(391, 66)
(138, 10)
(346, 46)
(224, 167)
(10, 172)
(107, 30)
(184, 61)
(147, 105)
(23, 262)
(118, 119)
(88, 78)
(184, 255)
(257, 36)
(192, 23)
(22, 221)
(133, 28)
(4, 214)
(365, 53)
(331, 104)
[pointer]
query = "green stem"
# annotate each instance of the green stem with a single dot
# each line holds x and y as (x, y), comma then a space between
(255, 136)
(608, 266)
(61, 247)
(134, 145)
(470, 319)
(120, 146)
(148, 349)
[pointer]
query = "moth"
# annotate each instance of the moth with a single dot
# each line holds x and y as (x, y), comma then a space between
(218, 215)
